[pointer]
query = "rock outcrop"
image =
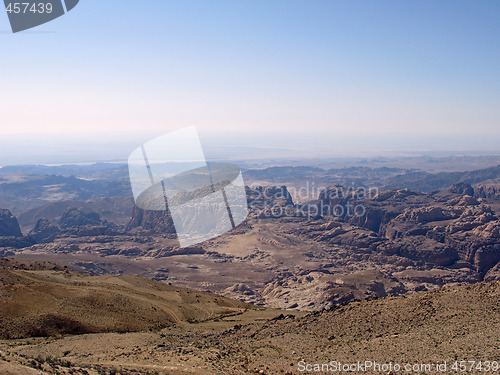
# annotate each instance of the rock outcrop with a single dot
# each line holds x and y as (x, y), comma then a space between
(159, 222)
(74, 218)
(462, 188)
(491, 191)
(9, 227)
(439, 229)
(44, 231)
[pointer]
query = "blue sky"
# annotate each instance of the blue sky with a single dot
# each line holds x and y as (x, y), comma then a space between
(350, 67)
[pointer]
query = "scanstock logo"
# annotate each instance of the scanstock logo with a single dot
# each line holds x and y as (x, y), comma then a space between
(26, 14)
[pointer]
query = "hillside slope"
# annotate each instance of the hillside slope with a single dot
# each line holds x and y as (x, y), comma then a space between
(40, 299)
(455, 323)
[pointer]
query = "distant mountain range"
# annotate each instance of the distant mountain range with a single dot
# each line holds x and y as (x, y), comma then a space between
(383, 178)
(23, 188)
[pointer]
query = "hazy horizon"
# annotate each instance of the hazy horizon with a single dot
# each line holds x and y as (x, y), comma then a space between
(88, 147)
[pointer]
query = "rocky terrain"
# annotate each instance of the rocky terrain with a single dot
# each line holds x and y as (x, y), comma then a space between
(112, 209)
(348, 242)
(43, 299)
(346, 245)
(452, 324)
(9, 227)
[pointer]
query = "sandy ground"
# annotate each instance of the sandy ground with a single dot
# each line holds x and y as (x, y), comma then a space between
(456, 323)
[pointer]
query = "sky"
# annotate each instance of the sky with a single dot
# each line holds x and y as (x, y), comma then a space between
(244, 68)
